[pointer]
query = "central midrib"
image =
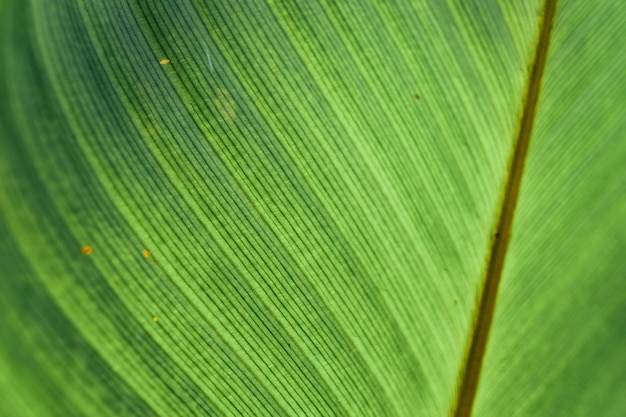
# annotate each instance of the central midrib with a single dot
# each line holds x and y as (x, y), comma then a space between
(468, 386)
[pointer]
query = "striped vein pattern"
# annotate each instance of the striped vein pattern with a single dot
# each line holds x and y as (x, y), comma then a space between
(288, 204)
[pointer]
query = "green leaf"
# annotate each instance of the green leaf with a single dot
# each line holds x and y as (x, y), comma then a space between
(279, 208)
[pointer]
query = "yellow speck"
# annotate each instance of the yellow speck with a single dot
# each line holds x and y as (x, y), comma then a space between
(155, 319)
(164, 61)
(86, 250)
(225, 103)
(146, 253)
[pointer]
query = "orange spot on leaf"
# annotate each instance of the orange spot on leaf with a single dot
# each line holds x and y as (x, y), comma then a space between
(146, 254)
(164, 61)
(86, 250)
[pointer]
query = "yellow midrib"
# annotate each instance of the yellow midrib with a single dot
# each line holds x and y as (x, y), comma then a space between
(484, 314)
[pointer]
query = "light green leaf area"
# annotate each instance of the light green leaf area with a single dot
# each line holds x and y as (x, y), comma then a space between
(286, 208)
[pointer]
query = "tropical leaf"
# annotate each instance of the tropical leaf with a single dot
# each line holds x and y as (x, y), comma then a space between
(275, 208)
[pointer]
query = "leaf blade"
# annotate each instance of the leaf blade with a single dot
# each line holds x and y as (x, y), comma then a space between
(564, 281)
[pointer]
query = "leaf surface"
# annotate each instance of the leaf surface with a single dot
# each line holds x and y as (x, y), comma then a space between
(286, 208)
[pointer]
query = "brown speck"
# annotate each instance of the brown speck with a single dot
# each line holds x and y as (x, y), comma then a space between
(86, 250)
(164, 61)
(498, 234)
(416, 96)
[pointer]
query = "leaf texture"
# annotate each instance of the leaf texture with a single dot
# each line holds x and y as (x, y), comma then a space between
(289, 207)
